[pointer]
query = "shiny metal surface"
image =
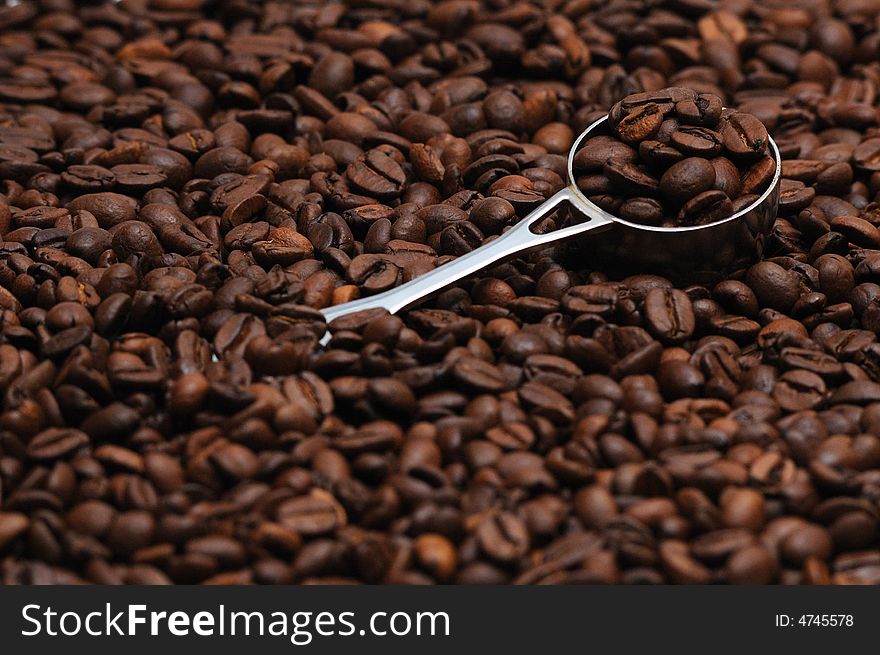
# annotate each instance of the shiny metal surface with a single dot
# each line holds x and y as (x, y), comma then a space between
(697, 250)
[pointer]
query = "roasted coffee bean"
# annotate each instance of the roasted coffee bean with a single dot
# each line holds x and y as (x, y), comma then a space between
(503, 537)
(706, 207)
(705, 110)
(867, 155)
(639, 124)
(727, 177)
(376, 174)
(798, 390)
(646, 211)
(758, 177)
(679, 379)
(669, 315)
(660, 156)
(773, 285)
(665, 98)
(56, 443)
(696, 142)
(314, 514)
(752, 565)
(686, 179)
(744, 136)
(374, 273)
(598, 150)
(629, 179)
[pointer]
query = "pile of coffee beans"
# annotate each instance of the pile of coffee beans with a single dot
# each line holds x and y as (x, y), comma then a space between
(185, 183)
(675, 158)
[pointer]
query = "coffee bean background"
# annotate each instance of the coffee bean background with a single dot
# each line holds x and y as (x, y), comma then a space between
(184, 184)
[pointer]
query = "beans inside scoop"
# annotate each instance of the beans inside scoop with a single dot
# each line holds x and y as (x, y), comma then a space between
(675, 157)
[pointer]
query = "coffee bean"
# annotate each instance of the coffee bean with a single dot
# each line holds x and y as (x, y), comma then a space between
(373, 273)
(773, 285)
(742, 508)
(743, 135)
(686, 179)
(478, 374)
(867, 154)
(758, 177)
(696, 142)
(377, 174)
(727, 177)
(56, 443)
(629, 179)
(799, 389)
(332, 74)
(598, 150)
(130, 531)
(317, 513)
(705, 110)
(857, 230)
(660, 156)
(680, 566)
(706, 207)
(646, 211)
(639, 124)
(669, 315)
(503, 537)
(752, 565)
(546, 402)
(437, 554)
(805, 541)
(12, 525)
(679, 379)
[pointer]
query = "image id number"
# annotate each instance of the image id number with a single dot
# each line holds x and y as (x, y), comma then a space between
(815, 621)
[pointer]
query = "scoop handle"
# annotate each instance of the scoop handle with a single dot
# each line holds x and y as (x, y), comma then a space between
(517, 239)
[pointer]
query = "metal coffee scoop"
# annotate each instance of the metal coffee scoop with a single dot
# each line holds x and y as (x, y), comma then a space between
(712, 247)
